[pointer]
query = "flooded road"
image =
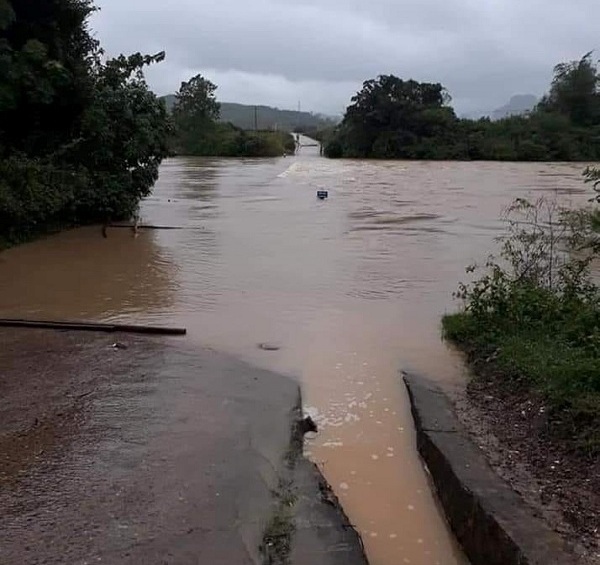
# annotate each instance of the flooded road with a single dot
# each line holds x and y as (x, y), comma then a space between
(351, 289)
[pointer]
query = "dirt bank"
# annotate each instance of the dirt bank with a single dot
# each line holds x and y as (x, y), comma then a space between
(560, 485)
(142, 450)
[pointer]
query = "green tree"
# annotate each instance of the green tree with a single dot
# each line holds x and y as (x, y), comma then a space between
(124, 137)
(198, 132)
(395, 119)
(195, 114)
(575, 91)
(196, 100)
(46, 58)
(390, 116)
(80, 140)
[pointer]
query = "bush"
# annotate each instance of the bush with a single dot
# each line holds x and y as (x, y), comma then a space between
(36, 196)
(81, 139)
(226, 140)
(333, 149)
(535, 313)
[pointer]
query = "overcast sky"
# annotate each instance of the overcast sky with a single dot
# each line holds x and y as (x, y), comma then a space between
(318, 52)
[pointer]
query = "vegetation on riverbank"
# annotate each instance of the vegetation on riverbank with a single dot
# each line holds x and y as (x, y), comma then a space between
(198, 130)
(81, 138)
(532, 321)
(392, 118)
(265, 118)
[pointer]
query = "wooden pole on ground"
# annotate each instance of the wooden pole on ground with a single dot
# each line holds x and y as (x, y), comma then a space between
(146, 227)
(90, 326)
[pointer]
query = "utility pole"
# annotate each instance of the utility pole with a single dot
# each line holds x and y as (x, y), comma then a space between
(255, 118)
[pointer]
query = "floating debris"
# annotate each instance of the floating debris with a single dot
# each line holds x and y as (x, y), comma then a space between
(269, 346)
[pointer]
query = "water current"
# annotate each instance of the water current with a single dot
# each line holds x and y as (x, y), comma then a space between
(351, 290)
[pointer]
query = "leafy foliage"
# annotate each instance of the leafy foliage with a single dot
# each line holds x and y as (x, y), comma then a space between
(195, 113)
(124, 138)
(592, 175)
(393, 118)
(535, 316)
(390, 117)
(80, 140)
(574, 92)
(46, 56)
(248, 117)
(197, 131)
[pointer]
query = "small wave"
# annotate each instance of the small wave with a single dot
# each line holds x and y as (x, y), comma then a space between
(369, 228)
(293, 168)
(387, 220)
(365, 213)
(405, 230)
(261, 199)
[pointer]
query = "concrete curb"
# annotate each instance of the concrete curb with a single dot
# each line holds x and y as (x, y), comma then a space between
(323, 535)
(490, 521)
(307, 523)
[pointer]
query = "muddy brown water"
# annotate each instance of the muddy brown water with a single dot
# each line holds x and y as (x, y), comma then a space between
(349, 291)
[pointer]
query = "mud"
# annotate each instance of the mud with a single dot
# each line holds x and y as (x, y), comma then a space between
(559, 485)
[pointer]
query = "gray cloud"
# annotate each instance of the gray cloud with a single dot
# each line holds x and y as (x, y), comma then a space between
(319, 51)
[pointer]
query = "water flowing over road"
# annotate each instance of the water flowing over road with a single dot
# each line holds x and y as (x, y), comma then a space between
(350, 289)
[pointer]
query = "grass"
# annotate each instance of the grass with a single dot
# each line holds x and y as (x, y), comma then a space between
(557, 356)
(277, 538)
(276, 543)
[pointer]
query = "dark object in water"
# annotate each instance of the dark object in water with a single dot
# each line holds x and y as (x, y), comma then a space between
(322, 194)
(269, 346)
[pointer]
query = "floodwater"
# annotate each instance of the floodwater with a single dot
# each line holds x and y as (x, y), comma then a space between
(351, 289)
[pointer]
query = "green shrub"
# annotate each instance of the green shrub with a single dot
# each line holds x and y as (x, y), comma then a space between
(81, 138)
(535, 313)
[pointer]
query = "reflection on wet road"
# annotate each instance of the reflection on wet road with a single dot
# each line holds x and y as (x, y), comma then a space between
(351, 289)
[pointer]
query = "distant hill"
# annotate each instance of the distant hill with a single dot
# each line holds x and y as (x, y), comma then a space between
(517, 105)
(267, 118)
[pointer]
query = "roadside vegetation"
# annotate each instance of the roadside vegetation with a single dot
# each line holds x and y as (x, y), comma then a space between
(391, 118)
(81, 137)
(531, 322)
(198, 130)
(261, 117)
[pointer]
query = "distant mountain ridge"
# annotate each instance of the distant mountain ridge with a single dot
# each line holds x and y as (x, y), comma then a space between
(517, 105)
(265, 117)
